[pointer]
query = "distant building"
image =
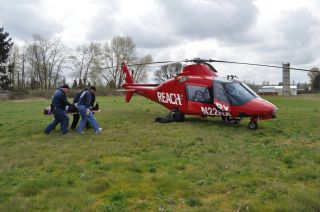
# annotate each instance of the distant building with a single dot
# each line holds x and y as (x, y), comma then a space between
(276, 90)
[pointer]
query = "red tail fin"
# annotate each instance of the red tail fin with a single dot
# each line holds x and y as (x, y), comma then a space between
(129, 81)
(128, 96)
(125, 70)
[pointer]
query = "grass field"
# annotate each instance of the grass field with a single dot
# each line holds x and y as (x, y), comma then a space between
(136, 164)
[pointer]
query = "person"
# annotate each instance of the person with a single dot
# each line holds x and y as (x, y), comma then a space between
(83, 107)
(76, 116)
(58, 106)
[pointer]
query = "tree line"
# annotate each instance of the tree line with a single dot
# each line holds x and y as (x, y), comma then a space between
(43, 63)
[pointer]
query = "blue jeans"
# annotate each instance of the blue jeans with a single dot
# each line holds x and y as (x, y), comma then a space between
(86, 117)
(60, 116)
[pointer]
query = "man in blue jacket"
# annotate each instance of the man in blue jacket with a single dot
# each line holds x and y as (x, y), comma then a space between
(76, 116)
(58, 106)
(83, 107)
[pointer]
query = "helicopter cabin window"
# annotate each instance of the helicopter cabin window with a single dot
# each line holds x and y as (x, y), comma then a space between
(199, 94)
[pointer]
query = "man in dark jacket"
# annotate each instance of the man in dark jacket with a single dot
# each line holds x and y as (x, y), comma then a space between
(76, 116)
(58, 106)
(83, 107)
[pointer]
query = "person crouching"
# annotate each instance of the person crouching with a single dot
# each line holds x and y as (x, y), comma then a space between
(83, 107)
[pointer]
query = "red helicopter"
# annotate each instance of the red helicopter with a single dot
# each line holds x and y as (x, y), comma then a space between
(198, 90)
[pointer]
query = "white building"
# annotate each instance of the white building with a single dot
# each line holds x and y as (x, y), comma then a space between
(276, 90)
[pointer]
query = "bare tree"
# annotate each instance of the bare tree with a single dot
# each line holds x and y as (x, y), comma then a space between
(139, 71)
(46, 58)
(17, 60)
(14, 71)
(84, 59)
(167, 72)
(114, 53)
(94, 75)
(22, 66)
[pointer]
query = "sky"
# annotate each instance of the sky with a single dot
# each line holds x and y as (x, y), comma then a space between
(255, 31)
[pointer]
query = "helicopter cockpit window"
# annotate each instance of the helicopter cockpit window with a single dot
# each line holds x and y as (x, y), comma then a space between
(199, 93)
(238, 94)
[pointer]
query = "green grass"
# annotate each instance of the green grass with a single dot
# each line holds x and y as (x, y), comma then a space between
(136, 164)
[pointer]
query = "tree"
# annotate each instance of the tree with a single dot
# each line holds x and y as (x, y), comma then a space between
(75, 84)
(47, 60)
(94, 75)
(167, 72)
(139, 71)
(303, 86)
(17, 61)
(84, 59)
(120, 49)
(18, 75)
(314, 76)
(5, 47)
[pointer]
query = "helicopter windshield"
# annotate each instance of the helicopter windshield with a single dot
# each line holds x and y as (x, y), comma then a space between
(235, 93)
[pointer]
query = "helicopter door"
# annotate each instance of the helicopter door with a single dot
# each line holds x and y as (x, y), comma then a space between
(199, 94)
(220, 97)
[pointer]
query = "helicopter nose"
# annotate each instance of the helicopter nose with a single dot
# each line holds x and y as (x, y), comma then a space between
(260, 107)
(275, 110)
(267, 107)
(271, 107)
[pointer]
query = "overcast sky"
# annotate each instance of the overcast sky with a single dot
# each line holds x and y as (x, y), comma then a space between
(256, 31)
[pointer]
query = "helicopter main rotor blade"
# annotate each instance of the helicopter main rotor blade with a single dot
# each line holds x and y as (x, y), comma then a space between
(256, 64)
(199, 60)
(139, 64)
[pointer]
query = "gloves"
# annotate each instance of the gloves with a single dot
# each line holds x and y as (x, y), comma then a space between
(88, 111)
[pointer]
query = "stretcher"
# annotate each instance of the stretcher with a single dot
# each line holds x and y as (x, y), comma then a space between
(70, 109)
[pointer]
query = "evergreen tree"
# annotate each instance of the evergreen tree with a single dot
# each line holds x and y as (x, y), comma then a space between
(314, 75)
(75, 84)
(315, 85)
(5, 46)
(80, 85)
